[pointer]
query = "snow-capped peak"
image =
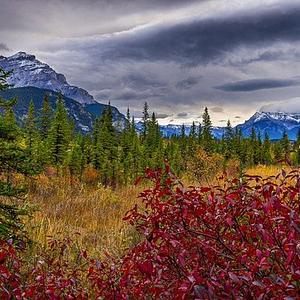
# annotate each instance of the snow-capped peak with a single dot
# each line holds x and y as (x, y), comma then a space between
(28, 71)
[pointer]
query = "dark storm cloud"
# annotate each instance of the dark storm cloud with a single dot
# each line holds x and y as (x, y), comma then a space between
(135, 95)
(182, 115)
(3, 47)
(256, 84)
(201, 41)
(162, 116)
(217, 109)
(187, 83)
(170, 53)
(141, 81)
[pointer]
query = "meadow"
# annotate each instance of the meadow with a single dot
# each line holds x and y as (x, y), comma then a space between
(92, 215)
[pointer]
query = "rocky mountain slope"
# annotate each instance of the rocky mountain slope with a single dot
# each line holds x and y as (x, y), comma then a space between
(28, 71)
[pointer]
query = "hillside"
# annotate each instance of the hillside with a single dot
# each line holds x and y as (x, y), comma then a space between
(83, 115)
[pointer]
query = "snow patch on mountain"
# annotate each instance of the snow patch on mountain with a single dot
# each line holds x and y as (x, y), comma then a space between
(28, 71)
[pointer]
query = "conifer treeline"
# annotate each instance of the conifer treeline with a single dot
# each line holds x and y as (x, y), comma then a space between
(120, 156)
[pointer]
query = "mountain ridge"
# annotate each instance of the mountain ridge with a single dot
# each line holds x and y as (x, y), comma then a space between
(28, 71)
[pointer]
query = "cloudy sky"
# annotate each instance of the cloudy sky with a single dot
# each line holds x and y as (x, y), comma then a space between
(234, 56)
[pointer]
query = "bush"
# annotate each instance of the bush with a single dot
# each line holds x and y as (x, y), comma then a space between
(240, 241)
(204, 167)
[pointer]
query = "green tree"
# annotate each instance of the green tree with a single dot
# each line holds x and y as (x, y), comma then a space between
(106, 148)
(145, 120)
(59, 133)
(285, 144)
(13, 161)
(267, 157)
(45, 117)
(207, 138)
(30, 128)
(228, 140)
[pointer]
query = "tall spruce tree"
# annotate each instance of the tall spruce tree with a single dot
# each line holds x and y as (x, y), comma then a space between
(228, 140)
(106, 148)
(45, 117)
(207, 138)
(145, 120)
(13, 161)
(267, 157)
(30, 129)
(59, 133)
(285, 144)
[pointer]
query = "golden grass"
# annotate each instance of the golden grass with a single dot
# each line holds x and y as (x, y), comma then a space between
(91, 217)
(266, 171)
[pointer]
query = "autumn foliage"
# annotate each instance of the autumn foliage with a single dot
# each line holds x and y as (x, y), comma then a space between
(240, 240)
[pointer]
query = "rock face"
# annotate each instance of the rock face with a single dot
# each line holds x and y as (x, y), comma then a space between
(274, 123)
(28, 71)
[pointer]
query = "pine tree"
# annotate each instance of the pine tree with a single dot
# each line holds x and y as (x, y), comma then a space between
(267, 158)
(30, 128)
(106, 148)
(228, 140)
(145, 120)
(13, 161)
(74, 160)
(199, 134)
(285, 143)
(59, 133)
(207, 138)
(45, 117)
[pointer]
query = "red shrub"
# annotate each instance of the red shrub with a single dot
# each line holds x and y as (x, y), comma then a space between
(10, 279)
(239, 242)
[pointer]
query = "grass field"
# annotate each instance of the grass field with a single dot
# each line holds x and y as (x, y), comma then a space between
(90, 216)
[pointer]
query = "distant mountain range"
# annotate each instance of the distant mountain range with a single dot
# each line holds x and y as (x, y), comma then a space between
(274, 123)
(31, 79)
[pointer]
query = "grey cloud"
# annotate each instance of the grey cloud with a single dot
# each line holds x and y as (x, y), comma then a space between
(162, 116)
(217, 109)
(3, 47)
(183, 114)
(201, 41)
(134, 95)
(256, 84)
(187, 83)
(140, 81)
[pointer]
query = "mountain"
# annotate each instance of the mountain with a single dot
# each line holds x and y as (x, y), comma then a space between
(274, 123)
(83, 115)
(175, 130)
(32, 79)
(28, 71)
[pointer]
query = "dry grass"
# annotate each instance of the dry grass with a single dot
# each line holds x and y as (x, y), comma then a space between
(91, 216)
(266, 171)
